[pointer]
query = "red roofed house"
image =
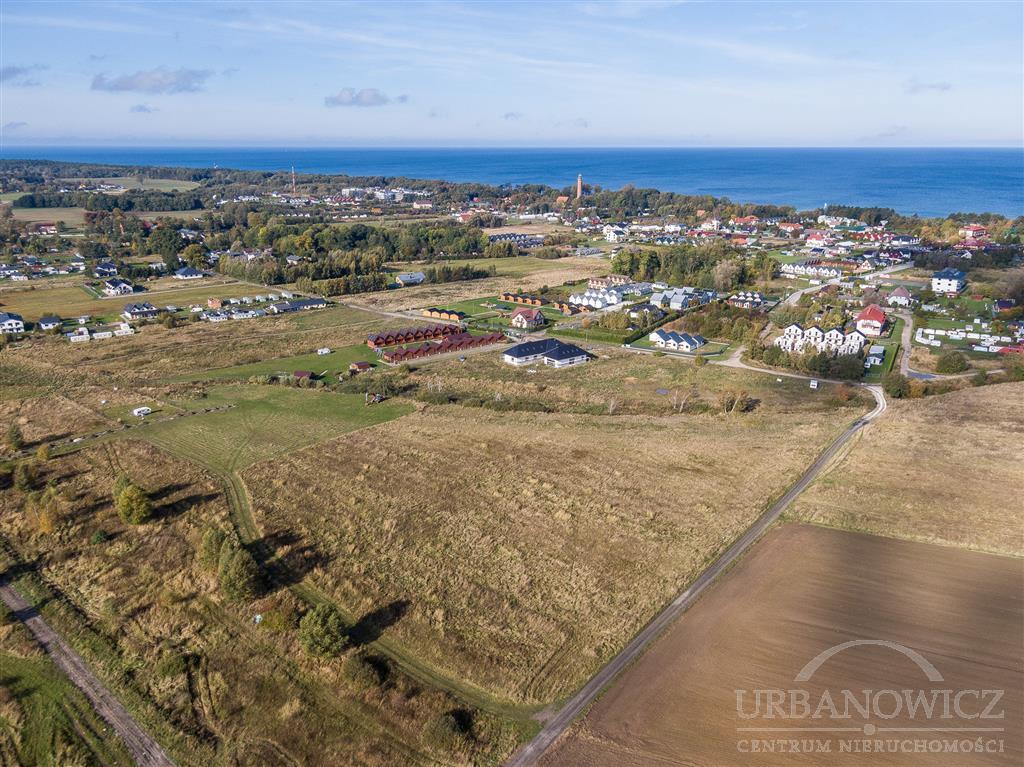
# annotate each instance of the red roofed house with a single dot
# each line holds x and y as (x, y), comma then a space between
(744, 221)
(527, 318)
(973, 232)
(871, 320)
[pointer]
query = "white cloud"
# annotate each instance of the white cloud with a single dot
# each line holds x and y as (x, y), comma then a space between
(159, 80)
(915, 86)
(364, 97)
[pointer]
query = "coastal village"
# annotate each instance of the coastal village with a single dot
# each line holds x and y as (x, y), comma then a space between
(860, 287)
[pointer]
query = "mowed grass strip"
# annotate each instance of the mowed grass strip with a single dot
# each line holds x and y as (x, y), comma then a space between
(265, 421)
(327, 365)
(44, 720)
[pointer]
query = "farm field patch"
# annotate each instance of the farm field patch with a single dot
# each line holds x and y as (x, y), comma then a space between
(522, 575)
(74, 218)
(799, 592)
(159, 353)
(928, 471)
(326, 365)
(72, 301)
(190, 665)
(264, 421)
(134, 182)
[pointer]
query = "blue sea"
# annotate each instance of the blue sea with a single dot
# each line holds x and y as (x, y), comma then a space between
(927, 182)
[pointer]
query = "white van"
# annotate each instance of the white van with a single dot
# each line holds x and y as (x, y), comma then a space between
(142, 411)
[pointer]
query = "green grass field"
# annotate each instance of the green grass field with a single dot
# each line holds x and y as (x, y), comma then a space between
(519, 266)
(146, 184)
(44, 720)
(59, 725)
(711, 348)
(265, 421)
(72, 217)
(72, 301)
(338, 360)
(476, 309)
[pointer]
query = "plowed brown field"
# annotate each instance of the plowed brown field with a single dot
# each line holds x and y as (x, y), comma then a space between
(798, 593)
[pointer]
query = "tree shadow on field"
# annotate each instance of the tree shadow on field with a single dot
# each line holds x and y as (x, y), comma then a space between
(370, 627)
(170, 510)
(286, 562)
(166, 491)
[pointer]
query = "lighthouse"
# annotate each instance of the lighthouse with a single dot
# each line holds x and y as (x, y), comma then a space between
(579, 186)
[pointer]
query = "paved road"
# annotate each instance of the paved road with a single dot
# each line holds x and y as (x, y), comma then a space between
(146, 751)
(532, 751)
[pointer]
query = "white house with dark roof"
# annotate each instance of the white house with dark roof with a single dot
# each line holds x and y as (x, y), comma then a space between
(118, 287)
(11, 323)
(550, 351)
(948, 282)
(669, 339)
(796, 338)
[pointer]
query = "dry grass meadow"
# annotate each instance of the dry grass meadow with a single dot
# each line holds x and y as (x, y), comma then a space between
(158, 353)
(525, 548)
(623, 382)
(798, 592)
(943, 469)
(211, 685)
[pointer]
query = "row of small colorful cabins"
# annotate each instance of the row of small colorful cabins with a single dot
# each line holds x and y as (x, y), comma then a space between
(432, 340)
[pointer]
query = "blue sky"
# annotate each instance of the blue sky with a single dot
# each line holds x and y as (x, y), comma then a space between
(585, 73)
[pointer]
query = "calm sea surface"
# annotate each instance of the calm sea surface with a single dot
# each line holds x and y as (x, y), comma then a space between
(928, 182)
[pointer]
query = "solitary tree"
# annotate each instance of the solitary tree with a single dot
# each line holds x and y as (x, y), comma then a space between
(322, 631)
(209, 548)
(15, 439)
(25, 476)
(240, 577)
(133, 505)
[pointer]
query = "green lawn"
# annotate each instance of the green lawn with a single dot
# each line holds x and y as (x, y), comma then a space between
(57, 724)
(265, 421)
(71, 301)
(147, 184)
(593, 333)
(329, 364)
(475, 309)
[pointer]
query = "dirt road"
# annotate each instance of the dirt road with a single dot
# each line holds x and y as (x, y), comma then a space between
(560, 722)
(146, 751)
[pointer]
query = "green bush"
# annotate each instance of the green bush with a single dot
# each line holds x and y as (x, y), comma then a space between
(120, 483)
(210, 547)
(240, 577)
(449, 730)
(100, 536)
(951, 362)
(366, 671)
(896, 385)
(26, 475)
(322, 631)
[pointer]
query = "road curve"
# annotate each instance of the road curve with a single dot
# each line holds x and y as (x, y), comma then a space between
(146, 751)
(560, 722)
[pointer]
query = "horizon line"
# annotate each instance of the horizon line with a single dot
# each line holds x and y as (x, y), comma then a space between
(213, 145)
